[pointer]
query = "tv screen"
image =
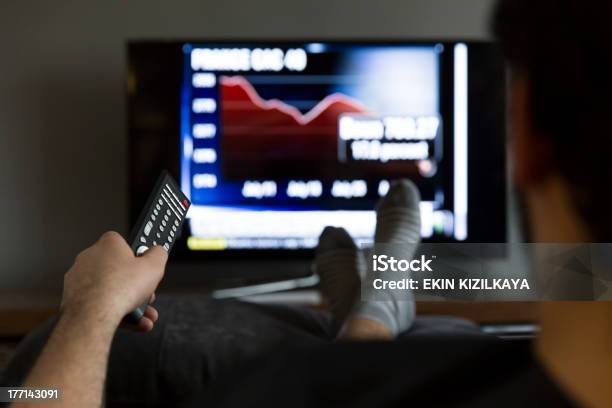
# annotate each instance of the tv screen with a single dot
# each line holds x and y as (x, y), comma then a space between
(272, 141)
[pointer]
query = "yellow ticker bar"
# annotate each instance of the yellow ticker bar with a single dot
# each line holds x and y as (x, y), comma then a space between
(206, 244)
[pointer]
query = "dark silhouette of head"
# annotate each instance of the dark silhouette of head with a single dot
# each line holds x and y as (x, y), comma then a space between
(563, 52)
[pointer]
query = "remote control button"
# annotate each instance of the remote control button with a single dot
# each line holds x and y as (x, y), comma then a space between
(154, 242)
(153, 218)
(164, 223)
(166, 218)
(158, 235)
(160, 202)
(158, 207)
(141, 250)
(168, 212)
(147, 228)
(169, 238)
(175, 199)
(176, 223)
(161, 228)
(172, 233)
(173, 207)
(166, 247)
(155, 212)
(173, 228)
(143, 240)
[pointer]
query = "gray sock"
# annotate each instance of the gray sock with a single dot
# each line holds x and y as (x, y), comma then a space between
(339, 266)
(398, 222)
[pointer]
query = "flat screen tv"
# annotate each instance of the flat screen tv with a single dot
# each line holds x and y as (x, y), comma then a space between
(274, 140)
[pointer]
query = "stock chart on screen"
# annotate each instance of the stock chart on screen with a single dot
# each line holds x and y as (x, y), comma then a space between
(280, 140)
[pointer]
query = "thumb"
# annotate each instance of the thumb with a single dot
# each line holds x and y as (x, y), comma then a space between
(156, 257)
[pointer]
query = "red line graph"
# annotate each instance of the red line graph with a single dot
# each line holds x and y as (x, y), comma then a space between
(271, 137)
(242, 85)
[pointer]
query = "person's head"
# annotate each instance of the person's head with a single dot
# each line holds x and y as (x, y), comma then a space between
(560, 54)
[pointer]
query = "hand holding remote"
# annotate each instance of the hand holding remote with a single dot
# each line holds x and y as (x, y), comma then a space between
(159, 224)
(107, 281)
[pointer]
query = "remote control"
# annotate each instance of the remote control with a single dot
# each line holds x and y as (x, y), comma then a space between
(160, 223)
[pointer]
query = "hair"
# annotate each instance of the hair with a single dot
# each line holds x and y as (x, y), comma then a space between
(564, 50)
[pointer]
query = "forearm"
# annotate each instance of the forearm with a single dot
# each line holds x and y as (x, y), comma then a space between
(105, 283)
(75, 359)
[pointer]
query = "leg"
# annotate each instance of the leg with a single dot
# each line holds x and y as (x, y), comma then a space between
(340, 266)
(195, 341)
(363, 328)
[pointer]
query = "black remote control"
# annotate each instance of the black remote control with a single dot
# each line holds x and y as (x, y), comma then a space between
(160, 223)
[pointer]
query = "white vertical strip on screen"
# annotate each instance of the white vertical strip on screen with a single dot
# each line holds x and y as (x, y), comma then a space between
(461, 140)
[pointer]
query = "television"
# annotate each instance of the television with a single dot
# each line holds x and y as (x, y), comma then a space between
(274, 140)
